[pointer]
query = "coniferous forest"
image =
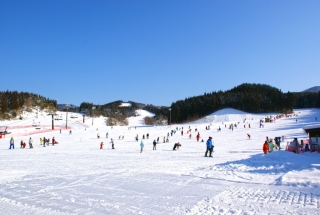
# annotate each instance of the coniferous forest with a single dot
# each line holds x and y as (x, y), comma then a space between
(12, 102)
(252, 98)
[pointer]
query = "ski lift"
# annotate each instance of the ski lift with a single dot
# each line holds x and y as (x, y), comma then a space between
(36, 124)
(59, 117)
(4, 132)
(73, 116)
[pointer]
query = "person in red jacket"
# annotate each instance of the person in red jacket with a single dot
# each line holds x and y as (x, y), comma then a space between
(265, 147)
(198, 136)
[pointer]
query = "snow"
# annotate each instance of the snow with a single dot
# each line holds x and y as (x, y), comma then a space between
(125, 104)
(76, 177)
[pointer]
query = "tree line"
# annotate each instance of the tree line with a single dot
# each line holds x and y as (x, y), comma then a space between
(252, 98)
(13, 102)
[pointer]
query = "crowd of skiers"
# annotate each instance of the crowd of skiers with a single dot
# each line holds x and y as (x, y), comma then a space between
(44, 142)
(269, 145)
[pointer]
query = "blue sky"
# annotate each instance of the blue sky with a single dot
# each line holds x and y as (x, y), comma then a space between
(156, 52)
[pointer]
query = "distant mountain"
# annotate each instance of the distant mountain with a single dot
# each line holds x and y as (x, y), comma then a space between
(313, 89)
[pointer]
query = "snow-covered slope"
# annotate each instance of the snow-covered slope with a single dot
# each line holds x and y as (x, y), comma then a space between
(77, 177)
(230, 115)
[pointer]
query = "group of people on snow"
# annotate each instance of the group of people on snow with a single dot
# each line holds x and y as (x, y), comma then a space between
(22, 143)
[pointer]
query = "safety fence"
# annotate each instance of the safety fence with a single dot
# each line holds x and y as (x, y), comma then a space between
(42, 129)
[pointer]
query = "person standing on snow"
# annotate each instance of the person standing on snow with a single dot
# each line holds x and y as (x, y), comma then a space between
(112, 143)
(154, 145)
(141, 146)
(30, 143)
(209, 147)
(198, 137)
(11, 143)
(265, 147)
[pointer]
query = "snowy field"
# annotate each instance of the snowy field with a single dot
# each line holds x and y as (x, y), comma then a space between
(76, 177)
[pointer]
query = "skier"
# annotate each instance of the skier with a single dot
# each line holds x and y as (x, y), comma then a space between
(53, 141)
(209, 147)
(101, 145)
(30, 143)
(112, 143)
(107, 135)
(141, 146)
(154, 145)
(198, 136)
(11, 143)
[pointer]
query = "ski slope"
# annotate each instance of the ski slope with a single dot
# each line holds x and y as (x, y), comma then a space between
(76, 177)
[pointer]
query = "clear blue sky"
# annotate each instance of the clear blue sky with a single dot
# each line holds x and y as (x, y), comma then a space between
(156, 52)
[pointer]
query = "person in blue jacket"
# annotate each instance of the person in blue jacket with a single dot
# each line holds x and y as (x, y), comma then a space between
(141, 146)
(11, 143)
(209, 147)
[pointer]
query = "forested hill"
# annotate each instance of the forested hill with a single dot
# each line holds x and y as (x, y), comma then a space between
(253, 98)
(12, 103)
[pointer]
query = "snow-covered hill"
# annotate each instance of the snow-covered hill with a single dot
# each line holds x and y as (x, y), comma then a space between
(230, 115)
(77, 177)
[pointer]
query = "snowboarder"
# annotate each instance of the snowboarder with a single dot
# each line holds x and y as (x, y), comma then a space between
(176, 146)
(11, 143)
(209, 147)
